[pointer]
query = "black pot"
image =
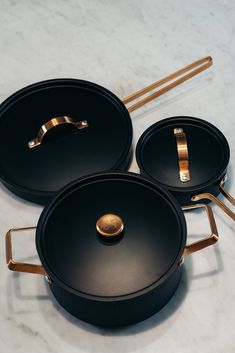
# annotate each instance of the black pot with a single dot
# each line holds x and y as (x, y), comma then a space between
(191, 148)
(112, 247)
(56, 131)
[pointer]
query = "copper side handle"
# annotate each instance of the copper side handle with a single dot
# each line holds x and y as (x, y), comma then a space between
(20, 266)
(208, 240)
(182, 149)
(198, 66)
(59, 120)
(218, 202)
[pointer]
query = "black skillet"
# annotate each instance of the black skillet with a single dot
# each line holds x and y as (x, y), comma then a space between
(56, 131)
(188, 156)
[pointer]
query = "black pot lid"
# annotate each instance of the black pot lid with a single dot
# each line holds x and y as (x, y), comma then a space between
(78, 257)
(66, 152)
(208, 152)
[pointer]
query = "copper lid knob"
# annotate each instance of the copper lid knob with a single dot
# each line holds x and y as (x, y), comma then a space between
(110, 225)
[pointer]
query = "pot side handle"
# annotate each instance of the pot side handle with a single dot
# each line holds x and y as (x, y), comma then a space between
(20, 266)
(208, 240)
(218, 202)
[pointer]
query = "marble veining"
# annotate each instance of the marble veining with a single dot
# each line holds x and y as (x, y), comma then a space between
(124, 45)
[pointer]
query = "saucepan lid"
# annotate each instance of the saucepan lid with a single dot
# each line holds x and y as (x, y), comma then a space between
(188, 156)
(98, 239)
(208, 152)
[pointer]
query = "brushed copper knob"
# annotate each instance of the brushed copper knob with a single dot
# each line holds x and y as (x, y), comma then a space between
(110, 225)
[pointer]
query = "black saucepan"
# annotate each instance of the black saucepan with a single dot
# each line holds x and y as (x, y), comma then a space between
(111, 247)
(56, 131)
(189, 157)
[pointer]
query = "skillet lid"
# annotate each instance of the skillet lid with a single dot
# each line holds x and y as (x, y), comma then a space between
(208, 152)
(78, 257)
(67, 151)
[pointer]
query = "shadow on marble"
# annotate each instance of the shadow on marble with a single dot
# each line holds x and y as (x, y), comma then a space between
(12, 197)
(176, 95)
(18, 300)
(17, 288)
(230, 184)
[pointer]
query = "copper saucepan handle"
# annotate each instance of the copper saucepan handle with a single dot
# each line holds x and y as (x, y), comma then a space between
(20, 266)
(189, 71)
(59, 120)
(218, 202)
(208, 240)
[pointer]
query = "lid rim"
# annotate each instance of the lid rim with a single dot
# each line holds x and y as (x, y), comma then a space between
(18, 95)
(213, 180)
(89, 179)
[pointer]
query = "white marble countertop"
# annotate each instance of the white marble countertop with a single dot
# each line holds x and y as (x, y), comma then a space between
(124, 45)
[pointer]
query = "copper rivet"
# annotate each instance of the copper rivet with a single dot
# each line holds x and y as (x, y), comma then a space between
(110, 225)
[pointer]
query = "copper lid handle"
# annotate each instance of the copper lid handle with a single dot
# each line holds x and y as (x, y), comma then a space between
(182, 149)
(190, 70)
(59, 120)
(110, 225)
(20, 266)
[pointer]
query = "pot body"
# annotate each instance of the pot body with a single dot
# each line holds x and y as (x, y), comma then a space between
(184, 196)
(112, 312)
(45, 198)
(114, 281)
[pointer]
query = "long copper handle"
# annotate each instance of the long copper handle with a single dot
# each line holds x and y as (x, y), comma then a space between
(20, 266)
(182, 150)
(218, 202)
(208, 240)
(59, 120)
(199, 66)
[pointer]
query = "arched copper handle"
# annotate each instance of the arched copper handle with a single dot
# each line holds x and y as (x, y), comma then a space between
(208, 240)
(20, 266)
(218, 202)
(182, 149)
(59, 120)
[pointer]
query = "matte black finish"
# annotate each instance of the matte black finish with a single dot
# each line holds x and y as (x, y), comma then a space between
(114, 283)
(66, 153)
(122, 311)
(208, 149)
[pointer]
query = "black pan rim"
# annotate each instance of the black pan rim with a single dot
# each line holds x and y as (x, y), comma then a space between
(216, 178)
(11, 100)
(91, 178)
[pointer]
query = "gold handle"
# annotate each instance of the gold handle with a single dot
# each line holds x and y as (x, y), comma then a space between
(59, 120)
(182, 149)
(219, 203)
(199, 66)
(20, 266)
(208, 240)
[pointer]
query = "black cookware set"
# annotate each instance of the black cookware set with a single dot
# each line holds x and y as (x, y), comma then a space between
(111, 242)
